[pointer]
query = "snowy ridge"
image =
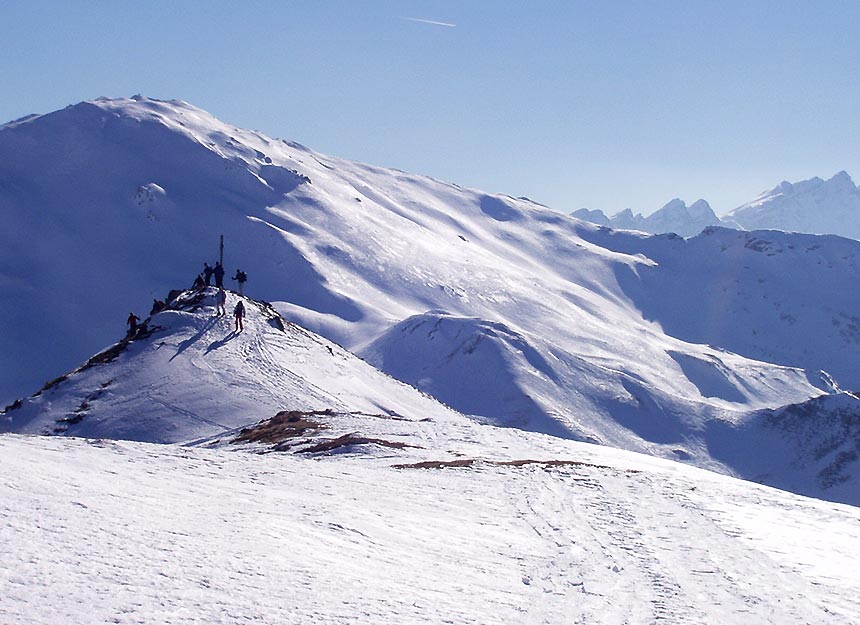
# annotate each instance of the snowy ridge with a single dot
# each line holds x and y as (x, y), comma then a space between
(813, 206)
(816, 206)
(188, 374)
(605, 336)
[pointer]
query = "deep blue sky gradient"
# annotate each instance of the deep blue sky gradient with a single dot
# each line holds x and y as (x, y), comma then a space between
(574, 104)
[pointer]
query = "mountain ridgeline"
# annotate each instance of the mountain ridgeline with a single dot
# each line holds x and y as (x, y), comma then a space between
(813, 206)
(504, 309)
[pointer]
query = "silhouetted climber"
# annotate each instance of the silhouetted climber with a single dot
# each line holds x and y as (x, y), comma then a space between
(218, 272)
(207, 274)
(241, 277)
(157, 307)
(239, 314)
(220, 300)
(198, 282)
(132, 323)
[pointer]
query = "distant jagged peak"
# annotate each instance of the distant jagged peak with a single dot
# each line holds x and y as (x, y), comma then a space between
(595, 216)
(700, 207)
(626, 213)
(674, 205)
(841, 182)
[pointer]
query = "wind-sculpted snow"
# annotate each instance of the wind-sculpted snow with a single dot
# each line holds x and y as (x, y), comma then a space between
(807, 447)
(771, 296)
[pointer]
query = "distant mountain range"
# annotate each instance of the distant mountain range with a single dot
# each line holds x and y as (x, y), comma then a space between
(812, 206)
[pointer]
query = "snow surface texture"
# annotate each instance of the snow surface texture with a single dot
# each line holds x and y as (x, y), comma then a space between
(813, 206)
(603, 336)
(122, 532)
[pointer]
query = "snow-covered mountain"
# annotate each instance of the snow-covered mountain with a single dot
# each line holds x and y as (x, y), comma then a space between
(675, 217)
(816, 206)
(812, 206)
(503, 308)
(311, 486)
(188, 374)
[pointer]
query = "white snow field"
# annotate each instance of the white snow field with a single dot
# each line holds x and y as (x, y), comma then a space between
(97, 531)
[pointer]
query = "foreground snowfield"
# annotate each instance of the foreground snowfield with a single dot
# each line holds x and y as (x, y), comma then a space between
(97, 531)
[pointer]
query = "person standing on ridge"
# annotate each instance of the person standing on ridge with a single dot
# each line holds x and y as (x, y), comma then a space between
(198, 282)
(239, 314)
(132, 323)
(241, 277)
(207, 274)
(218, 272)
(220, 300)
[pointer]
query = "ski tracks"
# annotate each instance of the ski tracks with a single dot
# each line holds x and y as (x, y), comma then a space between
(603, 538)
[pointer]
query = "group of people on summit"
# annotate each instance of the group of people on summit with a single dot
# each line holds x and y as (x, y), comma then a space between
(203, 280)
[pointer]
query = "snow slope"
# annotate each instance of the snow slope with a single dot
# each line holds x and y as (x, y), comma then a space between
(113, 202)
(815, 206)
(120, 532)
(760, 294)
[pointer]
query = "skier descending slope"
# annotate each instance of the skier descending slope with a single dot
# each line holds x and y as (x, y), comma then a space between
(239, 314)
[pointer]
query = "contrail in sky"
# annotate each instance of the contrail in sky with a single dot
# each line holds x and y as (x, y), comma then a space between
(433, 22)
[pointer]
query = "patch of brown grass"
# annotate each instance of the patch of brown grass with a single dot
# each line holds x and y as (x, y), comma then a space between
(468, 462)
(351, 439)
(285, 425)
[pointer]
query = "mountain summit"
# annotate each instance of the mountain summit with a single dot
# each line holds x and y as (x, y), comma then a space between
(818, 206)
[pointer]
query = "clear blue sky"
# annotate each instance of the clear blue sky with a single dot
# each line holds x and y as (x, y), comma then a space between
(596, 104)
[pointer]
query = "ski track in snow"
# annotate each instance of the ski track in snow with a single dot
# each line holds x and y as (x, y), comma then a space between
(114, 532)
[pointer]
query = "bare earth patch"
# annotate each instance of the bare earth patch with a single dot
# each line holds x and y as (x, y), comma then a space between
(285, 425)
(468, 462)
